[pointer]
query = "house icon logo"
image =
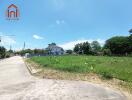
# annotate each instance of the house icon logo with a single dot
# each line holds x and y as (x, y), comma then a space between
(12, 12)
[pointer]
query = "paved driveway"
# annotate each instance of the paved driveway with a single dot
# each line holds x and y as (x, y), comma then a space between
(17, 84)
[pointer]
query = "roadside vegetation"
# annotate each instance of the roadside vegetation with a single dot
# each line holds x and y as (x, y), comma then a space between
(32, 52)
(5, 53)
(108, 67)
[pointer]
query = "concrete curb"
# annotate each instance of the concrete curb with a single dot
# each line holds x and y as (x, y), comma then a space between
(28, 67)
(31, 69)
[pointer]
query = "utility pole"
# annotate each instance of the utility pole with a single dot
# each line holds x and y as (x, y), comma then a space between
(24, 46)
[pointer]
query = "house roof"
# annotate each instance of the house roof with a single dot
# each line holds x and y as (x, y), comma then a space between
(12, 5)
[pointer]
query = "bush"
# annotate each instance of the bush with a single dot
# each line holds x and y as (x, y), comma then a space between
(130, 55)
(69, 51)
(107, 52)
(2, 52)
(107, 75)
(7, 55)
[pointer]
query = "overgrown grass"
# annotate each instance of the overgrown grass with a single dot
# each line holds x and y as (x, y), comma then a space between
(108, 67)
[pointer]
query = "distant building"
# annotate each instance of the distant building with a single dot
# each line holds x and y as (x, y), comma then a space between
(53, 49)
(26, 55)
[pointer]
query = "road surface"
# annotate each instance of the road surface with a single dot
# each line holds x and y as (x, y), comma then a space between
(16, 83)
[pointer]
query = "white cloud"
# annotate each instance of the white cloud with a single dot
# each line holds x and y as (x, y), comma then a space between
(37, 37)
(71, 44)
(6, 40)
(60, 22)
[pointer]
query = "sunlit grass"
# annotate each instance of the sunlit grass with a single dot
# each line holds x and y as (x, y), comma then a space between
(108, 67)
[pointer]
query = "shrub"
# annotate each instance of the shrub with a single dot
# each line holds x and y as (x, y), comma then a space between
(130, 55)
(7, 55)
(107, 52)
(69, 51)
(2, 52)
(107, 75)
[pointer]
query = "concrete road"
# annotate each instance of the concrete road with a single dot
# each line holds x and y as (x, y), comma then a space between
(17, 84)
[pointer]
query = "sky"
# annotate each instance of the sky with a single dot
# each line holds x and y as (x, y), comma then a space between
(65, 22)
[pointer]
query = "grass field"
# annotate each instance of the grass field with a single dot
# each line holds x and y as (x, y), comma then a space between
(107, 67)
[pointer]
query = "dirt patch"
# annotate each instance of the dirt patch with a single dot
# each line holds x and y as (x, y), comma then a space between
(47, 73)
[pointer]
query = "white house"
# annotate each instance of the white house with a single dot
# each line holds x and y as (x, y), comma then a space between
(53, 49)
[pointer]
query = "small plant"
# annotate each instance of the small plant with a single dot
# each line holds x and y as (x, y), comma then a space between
(106, 75)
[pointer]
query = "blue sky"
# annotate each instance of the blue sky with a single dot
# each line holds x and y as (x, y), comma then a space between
(65, 22)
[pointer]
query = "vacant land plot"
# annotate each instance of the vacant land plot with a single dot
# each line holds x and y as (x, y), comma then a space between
(108, 67)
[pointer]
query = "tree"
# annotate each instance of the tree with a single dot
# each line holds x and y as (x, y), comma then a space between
(130, 43)
(96, 47)
(130, 31)
(2, 52)
(118, 45)
(39, 51)
(10, 51)
(23, 52)
(82, 48)
(69, 51)
(86, 48)
(77, 48)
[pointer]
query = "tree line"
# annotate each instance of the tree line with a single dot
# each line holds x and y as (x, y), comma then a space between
(30, 51)
(118, 45)
(8, 53)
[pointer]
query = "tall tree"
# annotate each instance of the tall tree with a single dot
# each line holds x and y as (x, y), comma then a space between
(96, 47)
(76, 48)
(86, 48)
